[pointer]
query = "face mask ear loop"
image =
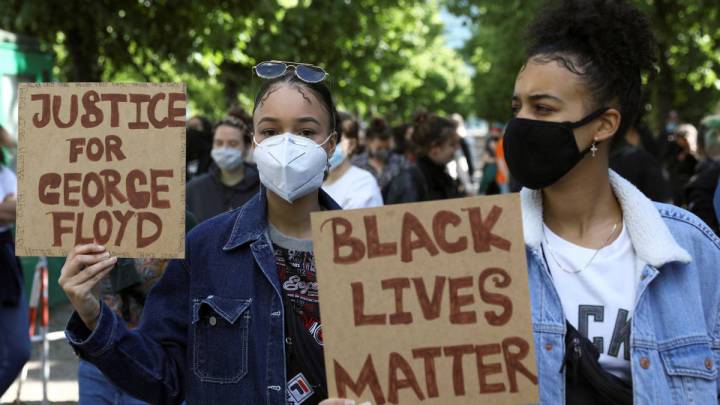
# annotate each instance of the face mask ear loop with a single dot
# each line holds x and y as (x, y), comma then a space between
(327, 139)
(590, 118)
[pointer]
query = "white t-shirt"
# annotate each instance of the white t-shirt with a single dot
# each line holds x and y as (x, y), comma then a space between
(357, 188)
(8, 185)
(599, 300)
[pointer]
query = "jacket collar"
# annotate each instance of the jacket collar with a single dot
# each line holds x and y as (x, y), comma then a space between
(650, 236)
(251, 220)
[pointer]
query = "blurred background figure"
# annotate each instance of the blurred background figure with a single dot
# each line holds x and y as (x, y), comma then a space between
(681, 160)
(703, 192)
(462, 167)
(379, 158)
(198, 137)
(348, 185)
(238, 112)
(437, 141)
(630, 159)
(488, 183)
(404, 146)
(14, 323)
(230, 181)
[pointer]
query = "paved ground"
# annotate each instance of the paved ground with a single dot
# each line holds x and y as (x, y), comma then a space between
(63, 369)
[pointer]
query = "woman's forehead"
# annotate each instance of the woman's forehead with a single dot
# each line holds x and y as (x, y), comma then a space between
(287, 102)
(548, 78)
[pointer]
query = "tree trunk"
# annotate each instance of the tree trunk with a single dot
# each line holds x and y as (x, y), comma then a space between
(83, 53)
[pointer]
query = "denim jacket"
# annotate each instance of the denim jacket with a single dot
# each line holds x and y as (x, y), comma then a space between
(212, 330)
(675, 328)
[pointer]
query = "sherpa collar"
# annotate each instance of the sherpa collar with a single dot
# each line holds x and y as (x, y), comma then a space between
(650, 236)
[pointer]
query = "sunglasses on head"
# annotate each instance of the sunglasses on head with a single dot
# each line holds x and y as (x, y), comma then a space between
(305, 72)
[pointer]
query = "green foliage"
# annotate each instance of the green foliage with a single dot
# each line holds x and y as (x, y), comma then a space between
(688, 33)
(383, 56)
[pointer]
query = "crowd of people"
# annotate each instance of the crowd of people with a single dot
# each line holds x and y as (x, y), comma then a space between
(578, 149)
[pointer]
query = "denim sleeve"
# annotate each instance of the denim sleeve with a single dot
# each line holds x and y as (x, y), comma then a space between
(150, 361)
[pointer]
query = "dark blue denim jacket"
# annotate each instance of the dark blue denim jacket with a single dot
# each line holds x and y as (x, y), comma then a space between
(212, 330)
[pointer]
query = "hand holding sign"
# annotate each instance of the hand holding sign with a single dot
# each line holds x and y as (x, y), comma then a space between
(426, 303)
(84, 268)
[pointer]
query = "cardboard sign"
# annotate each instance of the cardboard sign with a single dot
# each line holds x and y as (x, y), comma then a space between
(104, 163)
(426, 303)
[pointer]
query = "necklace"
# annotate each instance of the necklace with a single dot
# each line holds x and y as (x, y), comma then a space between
(552, 254)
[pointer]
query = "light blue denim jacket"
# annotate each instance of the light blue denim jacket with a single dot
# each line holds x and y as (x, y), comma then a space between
(675, 329)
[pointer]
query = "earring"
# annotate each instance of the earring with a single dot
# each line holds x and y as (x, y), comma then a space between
(593, 148)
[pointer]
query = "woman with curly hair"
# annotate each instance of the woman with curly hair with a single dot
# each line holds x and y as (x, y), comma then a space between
(624, 291)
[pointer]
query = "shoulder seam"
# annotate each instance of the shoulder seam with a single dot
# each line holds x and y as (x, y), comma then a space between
(703, 228)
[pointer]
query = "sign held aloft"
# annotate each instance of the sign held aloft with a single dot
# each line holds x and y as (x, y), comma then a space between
(427, 303)
(102, 163)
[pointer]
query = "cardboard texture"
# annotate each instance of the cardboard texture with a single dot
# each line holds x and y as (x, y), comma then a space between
(427, 303)
(101, 162)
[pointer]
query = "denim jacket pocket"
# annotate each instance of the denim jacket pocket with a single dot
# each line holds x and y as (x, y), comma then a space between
(220, 336)
(692, 373)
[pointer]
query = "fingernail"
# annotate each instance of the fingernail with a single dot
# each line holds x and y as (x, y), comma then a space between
(113, 259)
(349, 402)
(101, 247)
(366, 403)
(106, 254)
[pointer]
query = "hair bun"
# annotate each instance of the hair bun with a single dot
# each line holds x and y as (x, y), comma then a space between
(378, 124)
(421, 117)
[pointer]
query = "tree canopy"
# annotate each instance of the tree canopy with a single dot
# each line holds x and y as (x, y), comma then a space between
(386, 57)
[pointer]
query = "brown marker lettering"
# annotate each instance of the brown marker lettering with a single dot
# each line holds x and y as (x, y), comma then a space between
(400, 317)
(411, 225)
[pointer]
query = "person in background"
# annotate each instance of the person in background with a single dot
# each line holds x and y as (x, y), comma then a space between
(379, 158)
(199, 143)
(702, 189)
(14, 323)
(638, 166)
(437, 141)
(681, 164)
(402, 137)
(238, 112)
(231, 181)
(7, 148)
(488, 185)
(350, 186)
(466, 164)
(502, 177)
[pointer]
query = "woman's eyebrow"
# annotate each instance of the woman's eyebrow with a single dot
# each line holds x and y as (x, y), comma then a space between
(542, 96)
(307, 119)
(268, 119)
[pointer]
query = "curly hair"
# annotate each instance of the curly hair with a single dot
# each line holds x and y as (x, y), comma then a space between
(609, 43)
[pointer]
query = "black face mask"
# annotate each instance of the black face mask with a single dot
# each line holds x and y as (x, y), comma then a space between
(539, 153)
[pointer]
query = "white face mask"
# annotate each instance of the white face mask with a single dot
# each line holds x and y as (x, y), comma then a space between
(290, 165)
(227, 158)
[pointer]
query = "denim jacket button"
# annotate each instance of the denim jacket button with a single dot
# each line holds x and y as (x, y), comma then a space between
(213, 321)
(644, 362)
(549, 347)
(708, 363)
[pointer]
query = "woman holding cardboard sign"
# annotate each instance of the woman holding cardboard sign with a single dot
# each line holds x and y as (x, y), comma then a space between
(624, 290)
(238, 318)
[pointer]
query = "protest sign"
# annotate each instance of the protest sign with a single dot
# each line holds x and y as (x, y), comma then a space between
(426, 303)
(104, 163)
